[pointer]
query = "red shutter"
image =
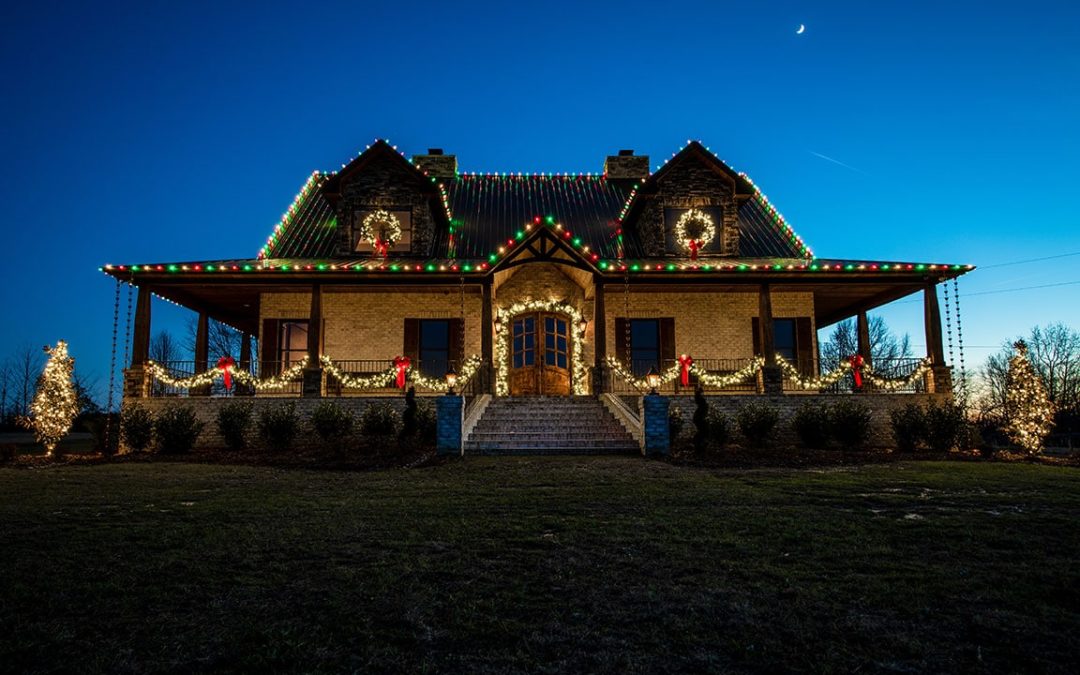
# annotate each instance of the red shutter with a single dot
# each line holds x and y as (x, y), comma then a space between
(804, 345)
(411, 348)
(755, 327)
(268, 348)
(620, 342)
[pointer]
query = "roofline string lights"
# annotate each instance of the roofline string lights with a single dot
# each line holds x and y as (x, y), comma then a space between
(308, 189)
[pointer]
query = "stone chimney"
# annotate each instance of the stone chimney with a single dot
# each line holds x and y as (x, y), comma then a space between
(627, 166)
(436, 164)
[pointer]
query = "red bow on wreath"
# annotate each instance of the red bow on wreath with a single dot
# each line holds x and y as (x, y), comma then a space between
(225, 363)
(381, 248)
(856, 369)
(684, 369)
(401, 363)
(694, 246)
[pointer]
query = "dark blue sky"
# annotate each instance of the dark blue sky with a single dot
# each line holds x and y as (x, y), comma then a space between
(890, 130)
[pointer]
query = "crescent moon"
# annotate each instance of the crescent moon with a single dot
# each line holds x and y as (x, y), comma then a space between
(802, 29)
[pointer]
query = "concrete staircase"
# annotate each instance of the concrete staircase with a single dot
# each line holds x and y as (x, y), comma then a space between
(541, 425)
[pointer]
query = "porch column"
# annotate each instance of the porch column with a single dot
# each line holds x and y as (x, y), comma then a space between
(772, 378)
(135, 377)
(940, 376)
(600, 367)
(202, 353)
(313, 374)
(863, 330)
(245, 365)
(486, 329)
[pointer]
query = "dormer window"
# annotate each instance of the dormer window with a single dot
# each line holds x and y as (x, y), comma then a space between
(694, 231)
(389, 227)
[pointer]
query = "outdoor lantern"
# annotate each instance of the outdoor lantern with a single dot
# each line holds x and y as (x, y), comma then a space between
(583, 324)
(653, 378)
(451, 381)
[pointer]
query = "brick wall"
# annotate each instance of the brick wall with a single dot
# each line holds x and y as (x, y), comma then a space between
(708, 324)
(881, 405)
(362, 324)
(206, 409)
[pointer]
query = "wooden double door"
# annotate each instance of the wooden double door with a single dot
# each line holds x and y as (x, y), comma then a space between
(540, 355)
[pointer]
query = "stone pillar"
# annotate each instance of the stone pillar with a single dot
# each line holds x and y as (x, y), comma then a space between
(655, 421)
(772, 378)
(313, 374)
(450, 419)
(487, 327)
(940, 377)
(202, 353)
(600, 365)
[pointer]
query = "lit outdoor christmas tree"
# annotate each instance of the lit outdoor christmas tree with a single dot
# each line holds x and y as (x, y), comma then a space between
(55, 403)
(1030, 411)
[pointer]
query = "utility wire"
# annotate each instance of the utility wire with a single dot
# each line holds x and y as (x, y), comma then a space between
(1029, 260)
(1003, 290)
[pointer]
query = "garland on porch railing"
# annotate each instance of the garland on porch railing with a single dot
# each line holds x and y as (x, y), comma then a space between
(833, 376)
(705, 377)
(207, 377)
(744, 373)
(384, 378)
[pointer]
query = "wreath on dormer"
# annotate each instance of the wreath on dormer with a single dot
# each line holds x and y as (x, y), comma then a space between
(382, 230)
(704, 231)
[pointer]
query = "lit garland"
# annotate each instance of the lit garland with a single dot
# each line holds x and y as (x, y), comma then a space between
(384, 378)
(206, 378)
(642, 383)
(819, 382)
(1030, 411)
(382, 230)
(55, 404)
(746, 372)
(899, 383)
(707, 230)
(580, 373)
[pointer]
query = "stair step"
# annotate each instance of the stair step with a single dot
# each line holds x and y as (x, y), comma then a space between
(549, 426)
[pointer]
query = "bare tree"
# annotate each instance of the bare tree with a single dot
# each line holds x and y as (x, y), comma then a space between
(1054, 351)
(24, 368)
(163, 348)
(885, 346)
(222, 340)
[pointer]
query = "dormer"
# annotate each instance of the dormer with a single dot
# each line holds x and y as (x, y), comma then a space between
(694, 196)
(381, 199)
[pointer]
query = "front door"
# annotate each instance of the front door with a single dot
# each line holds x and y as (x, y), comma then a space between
(540, 355)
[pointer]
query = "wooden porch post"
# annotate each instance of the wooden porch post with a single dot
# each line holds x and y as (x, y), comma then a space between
(863, 330)
(772, 378)
(135, 377)
(940, 377)
(313, 374)
(140, 339)
(599, 384)
(202, 352)
(486, 328)
(245, 364)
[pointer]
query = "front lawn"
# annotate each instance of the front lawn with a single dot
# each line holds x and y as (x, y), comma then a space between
(540, 564)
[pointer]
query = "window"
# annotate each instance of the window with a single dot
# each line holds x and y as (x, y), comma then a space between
(713, 246)
(524, 341)
(292, 342)
(404, 242)
(555, 345)
(434, 347)
(784, 339)
(644, 345)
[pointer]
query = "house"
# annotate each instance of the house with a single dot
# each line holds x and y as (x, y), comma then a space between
(531, 284)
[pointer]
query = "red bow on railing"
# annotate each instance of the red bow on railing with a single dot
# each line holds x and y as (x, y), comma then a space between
(684, 369)
(694, 246)
(226, 363)
(856, 369)
(402, 365)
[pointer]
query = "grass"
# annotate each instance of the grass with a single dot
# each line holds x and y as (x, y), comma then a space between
(540, 565)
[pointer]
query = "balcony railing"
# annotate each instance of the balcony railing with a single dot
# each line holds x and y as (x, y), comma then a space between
(891, 369)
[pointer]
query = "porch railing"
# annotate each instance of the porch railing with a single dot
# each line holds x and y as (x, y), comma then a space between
(617, 385)
(178, 370)
(892, 369)
(368, 368)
